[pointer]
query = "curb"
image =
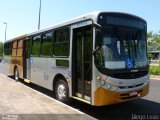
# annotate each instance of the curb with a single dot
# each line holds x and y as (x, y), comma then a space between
(155, 77)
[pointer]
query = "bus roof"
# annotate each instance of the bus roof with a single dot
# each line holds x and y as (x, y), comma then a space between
(89, 16)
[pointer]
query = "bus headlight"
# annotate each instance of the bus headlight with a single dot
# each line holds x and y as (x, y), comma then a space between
(110, 87)
(103, 83)
(106, 84)
(101, 80)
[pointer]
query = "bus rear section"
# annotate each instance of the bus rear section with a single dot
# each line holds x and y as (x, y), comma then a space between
(13, 57)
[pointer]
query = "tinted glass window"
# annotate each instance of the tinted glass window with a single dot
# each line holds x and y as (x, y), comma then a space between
(61, 46)
(63, 63)
(47, 38)
(120, 19)
(122, 49)
(62, 35)
(47, 45)
(125, 22)
(36, 45)
(8, 48)
(37, 40)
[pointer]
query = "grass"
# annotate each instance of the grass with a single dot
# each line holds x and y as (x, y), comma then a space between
(154, 70)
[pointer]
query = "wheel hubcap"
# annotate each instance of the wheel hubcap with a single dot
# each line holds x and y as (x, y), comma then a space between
(61, 90)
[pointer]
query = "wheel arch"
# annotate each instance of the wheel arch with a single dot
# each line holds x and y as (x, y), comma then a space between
(16, 72)
(15, 66)
(56, 78)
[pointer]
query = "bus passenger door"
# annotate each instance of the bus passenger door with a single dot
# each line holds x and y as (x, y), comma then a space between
(82, 62)
(26, 59)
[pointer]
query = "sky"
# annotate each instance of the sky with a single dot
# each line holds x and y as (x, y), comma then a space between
(21, 16)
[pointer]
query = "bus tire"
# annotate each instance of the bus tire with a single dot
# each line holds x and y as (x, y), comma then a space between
(62, 91)
(16, 74)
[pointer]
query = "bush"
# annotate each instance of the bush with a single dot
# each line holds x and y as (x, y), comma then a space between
(155, 70)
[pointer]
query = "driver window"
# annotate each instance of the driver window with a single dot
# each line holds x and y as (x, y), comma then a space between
(107, 49)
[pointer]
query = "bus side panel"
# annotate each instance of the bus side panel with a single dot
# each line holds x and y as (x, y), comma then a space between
(20, 66)
(39, 71)
(13, 61)
(16, 62)
(44, 70)
(54, 69)
(20, 58)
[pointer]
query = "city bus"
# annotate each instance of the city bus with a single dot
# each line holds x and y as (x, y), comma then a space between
(98, 58)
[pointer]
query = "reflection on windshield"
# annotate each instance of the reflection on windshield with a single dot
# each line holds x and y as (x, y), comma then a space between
(123, 49)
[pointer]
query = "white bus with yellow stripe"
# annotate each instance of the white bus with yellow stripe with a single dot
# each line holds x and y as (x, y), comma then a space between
(99, 58)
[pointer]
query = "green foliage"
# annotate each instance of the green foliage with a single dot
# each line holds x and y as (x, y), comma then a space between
(64, 63)
(153, 41)
(150, 56)
(1, 50)
(36, 50)
(47, 49)
(155, 70)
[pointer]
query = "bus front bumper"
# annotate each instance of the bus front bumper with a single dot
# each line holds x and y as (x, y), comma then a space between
(103, 96)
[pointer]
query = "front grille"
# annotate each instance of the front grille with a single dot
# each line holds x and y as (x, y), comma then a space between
(128, 97)
(126, 87)
(127, 94)
(130, 75)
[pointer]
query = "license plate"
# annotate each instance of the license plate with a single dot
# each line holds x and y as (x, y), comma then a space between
(133, 93)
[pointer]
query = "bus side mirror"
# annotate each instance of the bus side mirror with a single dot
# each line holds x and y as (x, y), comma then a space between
(98, 37)
(98, 41)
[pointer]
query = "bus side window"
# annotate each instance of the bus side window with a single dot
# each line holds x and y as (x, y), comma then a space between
(62, 40)
(14, 48)
(6, 48)
(20, 48)
(47, 44)
(36, 45)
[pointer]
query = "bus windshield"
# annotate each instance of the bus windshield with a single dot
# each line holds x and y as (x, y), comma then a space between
(123, 49)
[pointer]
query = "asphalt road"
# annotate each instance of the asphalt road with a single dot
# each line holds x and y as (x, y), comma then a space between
(149, 105)
(145, 108)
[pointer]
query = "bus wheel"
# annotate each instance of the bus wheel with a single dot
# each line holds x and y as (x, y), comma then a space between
(16, 74)
(62, 91)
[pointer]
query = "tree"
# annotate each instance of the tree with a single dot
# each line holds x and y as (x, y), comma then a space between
(153, 41)
(1, 50)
